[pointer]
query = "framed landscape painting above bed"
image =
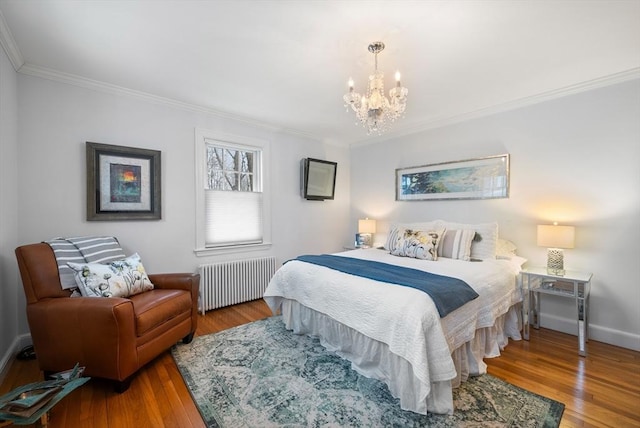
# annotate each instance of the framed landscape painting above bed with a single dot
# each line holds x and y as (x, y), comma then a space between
(483, 178)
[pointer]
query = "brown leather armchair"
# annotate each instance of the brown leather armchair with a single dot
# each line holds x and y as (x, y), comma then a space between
(111, 337)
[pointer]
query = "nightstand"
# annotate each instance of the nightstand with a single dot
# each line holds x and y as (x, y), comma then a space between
(573, 284)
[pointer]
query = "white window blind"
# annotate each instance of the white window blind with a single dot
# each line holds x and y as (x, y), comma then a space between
(233, 218)
(233, 197)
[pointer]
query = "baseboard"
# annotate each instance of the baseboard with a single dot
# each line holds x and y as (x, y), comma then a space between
(18, 343)
(599, 333)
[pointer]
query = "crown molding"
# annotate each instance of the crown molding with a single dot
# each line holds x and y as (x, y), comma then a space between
(71, 79)
(96, 85)
(9, 44)
(589, 85)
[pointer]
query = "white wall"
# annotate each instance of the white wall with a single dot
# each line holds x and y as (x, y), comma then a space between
(575, 160)
(56, 119)
(10, 298)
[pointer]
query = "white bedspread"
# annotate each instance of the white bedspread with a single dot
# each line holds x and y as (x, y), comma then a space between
(403, 318)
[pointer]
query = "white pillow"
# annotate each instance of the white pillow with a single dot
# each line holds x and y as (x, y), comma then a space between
(121, 278)
(517, 261)
(484, 245)
(456, 244)
(505, 249)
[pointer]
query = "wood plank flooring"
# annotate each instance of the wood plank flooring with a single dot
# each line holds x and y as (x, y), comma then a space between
(601, 390)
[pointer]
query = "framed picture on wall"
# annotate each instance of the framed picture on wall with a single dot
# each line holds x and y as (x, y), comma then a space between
(123, 183)
(482, 178)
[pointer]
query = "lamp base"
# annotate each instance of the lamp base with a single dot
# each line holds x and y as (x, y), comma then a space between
(364, 240)
(555, 262)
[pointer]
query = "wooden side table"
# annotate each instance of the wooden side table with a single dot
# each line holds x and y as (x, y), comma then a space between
(573, 284)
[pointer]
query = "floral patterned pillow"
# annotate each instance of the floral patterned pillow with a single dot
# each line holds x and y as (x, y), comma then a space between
(121, 278)
(419, 244)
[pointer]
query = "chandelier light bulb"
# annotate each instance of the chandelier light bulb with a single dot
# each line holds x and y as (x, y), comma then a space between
(373, 109)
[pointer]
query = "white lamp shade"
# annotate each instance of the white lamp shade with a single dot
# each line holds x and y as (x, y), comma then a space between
(366, 226)
(553, 236)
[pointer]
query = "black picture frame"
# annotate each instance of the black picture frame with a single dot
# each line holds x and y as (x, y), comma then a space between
(123, 183)
(318, 179)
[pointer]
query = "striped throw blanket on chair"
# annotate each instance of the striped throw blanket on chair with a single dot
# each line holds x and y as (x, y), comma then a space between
(85, 249)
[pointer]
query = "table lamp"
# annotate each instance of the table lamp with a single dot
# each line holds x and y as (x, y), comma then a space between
(555, 238)
(366, 229)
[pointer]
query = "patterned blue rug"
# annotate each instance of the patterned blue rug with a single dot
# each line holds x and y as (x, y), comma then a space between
(261, 375)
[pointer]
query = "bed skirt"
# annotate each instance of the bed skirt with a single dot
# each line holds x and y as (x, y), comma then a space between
(372, 358)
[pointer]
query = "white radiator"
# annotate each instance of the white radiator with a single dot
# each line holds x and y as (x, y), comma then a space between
(228, 283)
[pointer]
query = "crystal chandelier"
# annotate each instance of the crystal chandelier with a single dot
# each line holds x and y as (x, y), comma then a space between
(375, 111)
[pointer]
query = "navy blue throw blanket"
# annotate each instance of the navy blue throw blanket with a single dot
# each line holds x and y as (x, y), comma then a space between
(447, 293)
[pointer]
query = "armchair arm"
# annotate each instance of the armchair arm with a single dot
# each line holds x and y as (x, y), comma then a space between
(101, 330)
(179, 281)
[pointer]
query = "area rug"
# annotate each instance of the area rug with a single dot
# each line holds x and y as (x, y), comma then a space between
(261, 375)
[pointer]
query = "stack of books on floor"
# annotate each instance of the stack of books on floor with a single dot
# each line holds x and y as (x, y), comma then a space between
(32, 400)
(26, 403)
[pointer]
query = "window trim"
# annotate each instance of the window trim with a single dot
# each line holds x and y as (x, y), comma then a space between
(202, 136)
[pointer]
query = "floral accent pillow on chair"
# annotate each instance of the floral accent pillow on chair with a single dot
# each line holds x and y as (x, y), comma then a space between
(121, 278)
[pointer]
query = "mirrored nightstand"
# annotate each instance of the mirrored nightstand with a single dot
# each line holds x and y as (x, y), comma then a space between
(573, 284)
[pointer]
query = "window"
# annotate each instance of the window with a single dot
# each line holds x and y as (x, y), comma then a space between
(231, 195)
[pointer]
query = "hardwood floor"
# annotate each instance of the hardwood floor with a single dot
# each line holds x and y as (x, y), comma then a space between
(601, 390)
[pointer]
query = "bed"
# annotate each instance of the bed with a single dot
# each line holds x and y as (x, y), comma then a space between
(395, 333)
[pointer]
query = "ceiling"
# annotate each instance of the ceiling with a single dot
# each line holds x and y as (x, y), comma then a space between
(285, 64)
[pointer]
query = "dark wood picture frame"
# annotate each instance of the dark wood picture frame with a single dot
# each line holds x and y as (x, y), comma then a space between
(123, 183)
